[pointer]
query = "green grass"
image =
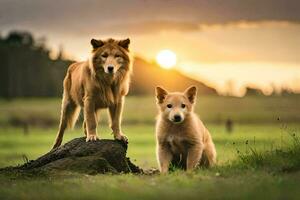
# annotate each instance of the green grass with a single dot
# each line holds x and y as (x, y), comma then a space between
(278, 159)
(259, 160)
(235, 176)
(176, 186)
(15, 145)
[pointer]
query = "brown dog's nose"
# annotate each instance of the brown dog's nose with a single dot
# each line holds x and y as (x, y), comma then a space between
(177, 118)
(110, 69)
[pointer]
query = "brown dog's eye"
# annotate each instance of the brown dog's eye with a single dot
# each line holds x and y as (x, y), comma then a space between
(105, 55)
(169, 105)
(183, 105)
(117, 56)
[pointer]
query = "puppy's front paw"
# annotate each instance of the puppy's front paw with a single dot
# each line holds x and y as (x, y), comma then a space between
(91, 138)
(122, 137)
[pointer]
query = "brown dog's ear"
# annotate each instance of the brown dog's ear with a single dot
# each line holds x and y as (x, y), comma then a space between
(124, 43)
(160, 94)
(96, 43)
(191, 93)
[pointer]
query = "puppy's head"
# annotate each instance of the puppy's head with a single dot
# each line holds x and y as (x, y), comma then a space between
(176, 106)
(110, 56)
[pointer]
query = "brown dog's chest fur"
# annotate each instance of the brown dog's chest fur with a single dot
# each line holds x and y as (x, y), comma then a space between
(177, 144)
(105, 96)
(179, 138)
(104, 90)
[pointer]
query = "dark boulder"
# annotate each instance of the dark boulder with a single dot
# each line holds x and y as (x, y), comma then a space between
(77, 155)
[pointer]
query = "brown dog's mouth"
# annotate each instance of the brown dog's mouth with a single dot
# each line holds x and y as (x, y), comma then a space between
(110, 73)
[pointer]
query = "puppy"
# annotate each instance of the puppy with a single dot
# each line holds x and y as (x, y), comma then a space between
(100, 82)
(180, 134)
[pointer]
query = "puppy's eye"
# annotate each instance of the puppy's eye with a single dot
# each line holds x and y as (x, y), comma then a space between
(105, 55)
(169, 105)
(117, 56)
(183, 105)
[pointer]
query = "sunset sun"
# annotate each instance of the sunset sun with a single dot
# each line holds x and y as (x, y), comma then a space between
(166, 59)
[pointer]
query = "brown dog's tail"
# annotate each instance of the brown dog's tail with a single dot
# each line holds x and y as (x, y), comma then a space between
(69, 115)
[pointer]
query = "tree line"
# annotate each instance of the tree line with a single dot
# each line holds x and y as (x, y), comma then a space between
(26, 69)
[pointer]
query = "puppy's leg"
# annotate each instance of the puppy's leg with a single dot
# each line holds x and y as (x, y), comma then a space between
(90, 120)
(68, 112)
(164, 157)
(194, 155)
(211, 153)
(115, 112)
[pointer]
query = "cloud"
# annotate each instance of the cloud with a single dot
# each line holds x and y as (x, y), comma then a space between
(140, 16)
(149, 27)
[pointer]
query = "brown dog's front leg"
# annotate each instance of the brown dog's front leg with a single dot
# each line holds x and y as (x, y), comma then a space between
(115, 112)
(90, 120)
(194, 156)
(164, 158)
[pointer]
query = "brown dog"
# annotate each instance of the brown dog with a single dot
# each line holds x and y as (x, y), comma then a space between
(100, 82)
(179, 132)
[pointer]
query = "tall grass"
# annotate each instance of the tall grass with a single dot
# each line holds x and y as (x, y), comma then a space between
(283, 158)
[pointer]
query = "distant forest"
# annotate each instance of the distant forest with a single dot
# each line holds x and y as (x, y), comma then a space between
(26, 68)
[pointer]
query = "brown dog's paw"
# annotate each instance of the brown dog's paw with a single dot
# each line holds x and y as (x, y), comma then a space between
(122, 137)
(91, 138)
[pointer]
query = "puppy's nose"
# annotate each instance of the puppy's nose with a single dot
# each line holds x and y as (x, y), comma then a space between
(110, 69)
(177, 118)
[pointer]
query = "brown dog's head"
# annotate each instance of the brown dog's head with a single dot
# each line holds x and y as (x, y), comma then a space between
(110, 56)
(176, 106)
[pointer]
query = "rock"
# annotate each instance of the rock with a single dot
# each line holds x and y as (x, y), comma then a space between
(77, 155)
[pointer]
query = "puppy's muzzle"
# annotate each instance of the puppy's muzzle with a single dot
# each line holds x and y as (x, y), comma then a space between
(177, 118)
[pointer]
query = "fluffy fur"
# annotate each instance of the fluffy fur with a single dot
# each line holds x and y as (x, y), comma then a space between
(100, 82)
(180, 134)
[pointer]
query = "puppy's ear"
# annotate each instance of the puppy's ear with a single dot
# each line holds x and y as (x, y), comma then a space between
(160, 94)
(191, 93)
(124, 43)
(96, 43)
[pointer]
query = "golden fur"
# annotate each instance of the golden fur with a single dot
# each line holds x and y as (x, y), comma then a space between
(100, 82)
(179, 131)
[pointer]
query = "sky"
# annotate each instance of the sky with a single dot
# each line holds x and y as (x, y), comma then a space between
(227, 44)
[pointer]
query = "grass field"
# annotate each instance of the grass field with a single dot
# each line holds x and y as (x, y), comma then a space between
(15, 145)
(212, 109)
(232, 178)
